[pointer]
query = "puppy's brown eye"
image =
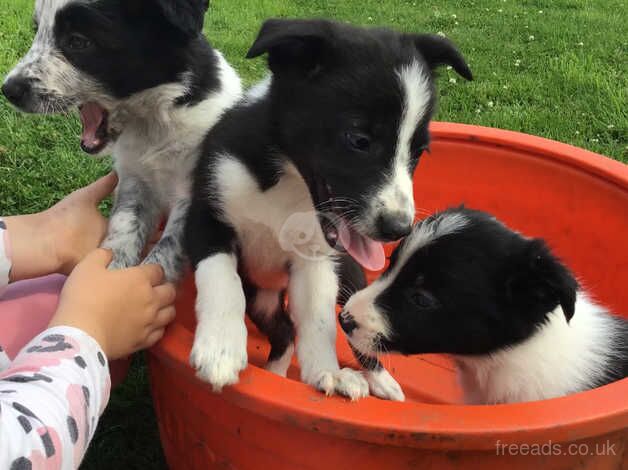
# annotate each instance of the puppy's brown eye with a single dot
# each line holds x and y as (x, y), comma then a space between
(78, 42)
(358, 141)
(423, 299)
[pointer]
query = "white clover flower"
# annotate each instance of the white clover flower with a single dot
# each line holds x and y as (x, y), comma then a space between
(530, 38)
(490, 104)
(452, 80)
(440, 33)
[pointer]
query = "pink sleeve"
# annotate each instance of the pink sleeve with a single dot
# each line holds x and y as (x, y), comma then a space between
(50, 400)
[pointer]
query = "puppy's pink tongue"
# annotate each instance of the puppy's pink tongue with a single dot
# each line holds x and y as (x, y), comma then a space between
(369, 253)
(92, 117)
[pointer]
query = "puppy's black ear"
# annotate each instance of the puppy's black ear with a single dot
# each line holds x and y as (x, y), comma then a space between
(536, 281)
(437, 51)
(186, 16)
(292, 44)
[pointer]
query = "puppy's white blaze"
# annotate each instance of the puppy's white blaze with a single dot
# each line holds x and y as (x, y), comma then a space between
(397, 194)
(361, 305)
(561, 358)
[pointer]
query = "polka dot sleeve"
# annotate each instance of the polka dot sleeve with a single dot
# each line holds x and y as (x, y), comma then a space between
(50, 400)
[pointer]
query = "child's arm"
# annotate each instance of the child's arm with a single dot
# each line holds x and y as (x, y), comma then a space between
(55, 240)
(50, 400)
(57, 387)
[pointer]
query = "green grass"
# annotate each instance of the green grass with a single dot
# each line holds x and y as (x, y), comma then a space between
(554, 68)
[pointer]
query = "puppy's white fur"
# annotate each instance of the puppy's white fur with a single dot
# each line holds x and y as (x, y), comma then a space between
(219, 350)
(259, 217)
(560, 358)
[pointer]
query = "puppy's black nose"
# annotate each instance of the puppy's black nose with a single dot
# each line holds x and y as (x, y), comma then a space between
(17, 90)
(393, 226)
(347, 323)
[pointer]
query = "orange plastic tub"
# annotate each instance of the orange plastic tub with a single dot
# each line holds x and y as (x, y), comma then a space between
(575, 199)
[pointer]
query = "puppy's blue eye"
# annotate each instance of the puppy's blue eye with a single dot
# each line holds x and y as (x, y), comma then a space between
(78, 42)
(358, 141)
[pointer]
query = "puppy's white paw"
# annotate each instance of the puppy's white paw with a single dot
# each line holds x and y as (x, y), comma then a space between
(383, 385)
(347, 382)
(218, 362)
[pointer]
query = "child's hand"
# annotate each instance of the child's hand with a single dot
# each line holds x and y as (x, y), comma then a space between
(124, 311)
(55, 240)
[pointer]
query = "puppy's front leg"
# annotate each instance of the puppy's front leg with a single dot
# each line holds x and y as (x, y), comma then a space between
(168, 252)
(219, 349)
(313, 291)
(134, 217)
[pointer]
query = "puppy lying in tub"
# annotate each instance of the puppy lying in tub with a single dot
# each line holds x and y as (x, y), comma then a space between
(512, 315)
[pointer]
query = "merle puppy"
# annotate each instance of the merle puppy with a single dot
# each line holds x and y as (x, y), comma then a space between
(510, 312)
(315, 160)
(148, 87)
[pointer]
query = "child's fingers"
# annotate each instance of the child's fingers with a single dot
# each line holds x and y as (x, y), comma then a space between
(165, 294)
(164, 317)
(154, 337)
(153, 272)
(102, 187)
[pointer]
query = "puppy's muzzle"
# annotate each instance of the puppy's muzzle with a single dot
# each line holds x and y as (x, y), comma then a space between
(393, 226)
(18, 90)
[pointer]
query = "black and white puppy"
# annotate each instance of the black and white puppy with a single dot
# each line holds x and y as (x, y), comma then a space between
(148, 86)
(511, 314)
(316, 158)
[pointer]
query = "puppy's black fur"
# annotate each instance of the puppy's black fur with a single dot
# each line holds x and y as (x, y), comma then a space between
(134, 45)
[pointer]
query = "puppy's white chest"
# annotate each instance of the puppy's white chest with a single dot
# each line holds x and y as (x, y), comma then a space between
(273, 226)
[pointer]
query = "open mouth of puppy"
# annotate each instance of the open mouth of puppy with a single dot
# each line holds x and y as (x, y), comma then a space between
(341, 234)
(95, 120)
